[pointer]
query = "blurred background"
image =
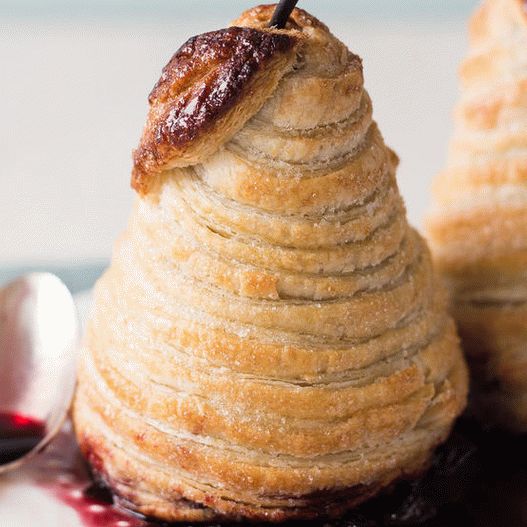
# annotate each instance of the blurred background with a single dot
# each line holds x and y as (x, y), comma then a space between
(75, 78)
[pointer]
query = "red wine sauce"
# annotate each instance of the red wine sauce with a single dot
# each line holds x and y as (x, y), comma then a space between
(94, 505)
(18, 436)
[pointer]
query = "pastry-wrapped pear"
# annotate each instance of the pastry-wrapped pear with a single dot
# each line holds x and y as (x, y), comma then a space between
(269, 341)
(478, 227)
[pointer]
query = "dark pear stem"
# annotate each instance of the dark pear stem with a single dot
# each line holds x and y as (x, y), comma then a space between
(281, 13)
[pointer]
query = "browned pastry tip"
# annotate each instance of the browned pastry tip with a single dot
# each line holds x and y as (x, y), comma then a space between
(260, 16)
(210, 88)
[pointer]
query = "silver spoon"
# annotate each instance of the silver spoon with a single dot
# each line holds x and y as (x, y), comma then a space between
(39, 333)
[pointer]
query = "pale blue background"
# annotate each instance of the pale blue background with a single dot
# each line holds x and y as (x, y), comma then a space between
(212, 8)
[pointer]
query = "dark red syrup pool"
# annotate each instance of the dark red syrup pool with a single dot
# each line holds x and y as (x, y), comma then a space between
(18, 436)
(477, 479)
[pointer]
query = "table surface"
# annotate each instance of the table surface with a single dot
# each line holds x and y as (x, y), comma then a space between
(75, 76)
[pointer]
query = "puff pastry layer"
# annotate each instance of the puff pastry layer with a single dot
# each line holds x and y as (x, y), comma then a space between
(478, 227)
(269, 341)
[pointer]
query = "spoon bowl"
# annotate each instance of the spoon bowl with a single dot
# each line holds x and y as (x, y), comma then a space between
(39, 333)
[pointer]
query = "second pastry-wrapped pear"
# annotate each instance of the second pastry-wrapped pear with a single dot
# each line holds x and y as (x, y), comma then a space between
(478, 228)
(269, 341)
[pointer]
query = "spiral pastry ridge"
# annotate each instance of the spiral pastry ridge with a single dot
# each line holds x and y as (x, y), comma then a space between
(269, 341)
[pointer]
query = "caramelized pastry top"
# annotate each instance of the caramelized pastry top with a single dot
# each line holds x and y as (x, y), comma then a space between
(216, 82)
(206, 93)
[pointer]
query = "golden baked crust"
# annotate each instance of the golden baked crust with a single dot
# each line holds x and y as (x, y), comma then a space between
(269, 341)
(210, 88)
(478, 227)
